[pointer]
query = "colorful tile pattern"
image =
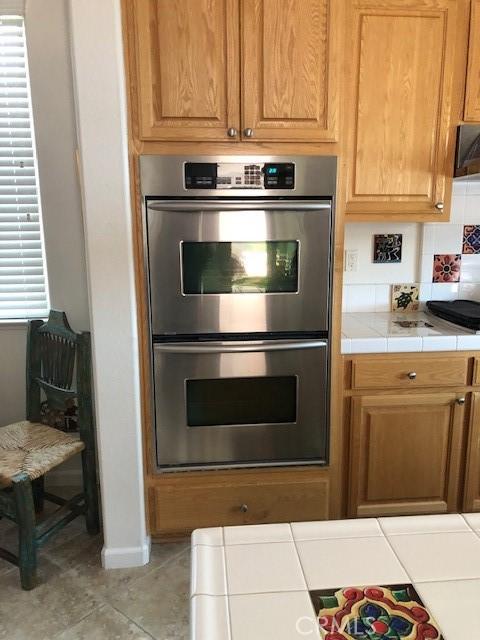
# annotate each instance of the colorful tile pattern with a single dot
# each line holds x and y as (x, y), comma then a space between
(387, 248)
(394, 612)
(471, 239)
(405, 297)
(446, 267)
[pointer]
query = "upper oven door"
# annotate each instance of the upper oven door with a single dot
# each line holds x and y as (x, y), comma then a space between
(238, 267)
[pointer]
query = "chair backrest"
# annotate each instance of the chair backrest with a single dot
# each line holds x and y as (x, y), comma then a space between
(53, 350)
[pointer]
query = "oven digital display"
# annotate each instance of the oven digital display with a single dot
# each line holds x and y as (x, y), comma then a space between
(240, 267)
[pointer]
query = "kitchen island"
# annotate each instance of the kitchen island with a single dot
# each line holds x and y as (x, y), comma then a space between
(289, 581)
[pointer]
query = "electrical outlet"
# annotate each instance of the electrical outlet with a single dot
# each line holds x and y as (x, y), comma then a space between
(351, 260)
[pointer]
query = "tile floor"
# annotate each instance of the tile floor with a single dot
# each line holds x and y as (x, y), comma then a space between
(77, 600)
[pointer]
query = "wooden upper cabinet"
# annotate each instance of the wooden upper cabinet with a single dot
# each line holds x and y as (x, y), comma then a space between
(472, 94)
(187, 68)
(289, 69)
(400, 90)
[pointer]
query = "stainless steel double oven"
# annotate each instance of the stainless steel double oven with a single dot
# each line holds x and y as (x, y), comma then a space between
(239, 253)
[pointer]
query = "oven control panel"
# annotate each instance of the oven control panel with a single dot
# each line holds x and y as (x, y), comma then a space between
(232, 175)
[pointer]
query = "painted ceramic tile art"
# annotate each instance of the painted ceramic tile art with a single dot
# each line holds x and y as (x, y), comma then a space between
(405, 297)
(446, 267)
(387, 248)
(394, 612)
(471, 239)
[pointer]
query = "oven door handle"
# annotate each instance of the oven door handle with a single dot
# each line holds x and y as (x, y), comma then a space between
(235, 347)
(238, 205)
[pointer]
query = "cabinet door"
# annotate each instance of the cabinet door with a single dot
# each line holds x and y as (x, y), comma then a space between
(187, 58)
(289, 69)
(472, 476)
(405, 454)
(472, 94)
(400, 85)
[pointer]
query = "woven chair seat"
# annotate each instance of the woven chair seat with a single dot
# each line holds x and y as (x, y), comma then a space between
(33, 448)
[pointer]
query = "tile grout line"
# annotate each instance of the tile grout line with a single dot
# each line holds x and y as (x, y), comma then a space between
(227, 596)
(394, 552)
(80, 620)
(135, 623)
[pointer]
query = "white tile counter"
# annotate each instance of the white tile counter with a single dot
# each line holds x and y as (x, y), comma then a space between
(379, 333)
(254, 582)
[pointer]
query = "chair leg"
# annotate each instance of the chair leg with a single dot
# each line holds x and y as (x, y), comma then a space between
(91, 492)
(27, 550)
(38, 487)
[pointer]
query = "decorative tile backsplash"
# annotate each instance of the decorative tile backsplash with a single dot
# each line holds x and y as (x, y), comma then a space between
(387, 248)
(405, 297)
(446, 267)
(444, 259)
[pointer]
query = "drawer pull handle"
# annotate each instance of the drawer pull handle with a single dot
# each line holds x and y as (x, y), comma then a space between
(244, 508)
(412, 375)
(460, 401)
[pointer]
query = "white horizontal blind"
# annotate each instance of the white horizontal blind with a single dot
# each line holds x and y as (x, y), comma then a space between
(23, 288)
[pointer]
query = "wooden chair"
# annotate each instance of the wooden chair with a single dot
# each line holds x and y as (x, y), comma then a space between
(30, 449)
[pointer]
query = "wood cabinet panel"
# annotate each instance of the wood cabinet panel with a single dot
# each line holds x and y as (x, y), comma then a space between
(405, 454)
(187, 68)
(181, 505)
(409, 372)
(472, 93)
(290, 69)
(400, 95)
(472, 475)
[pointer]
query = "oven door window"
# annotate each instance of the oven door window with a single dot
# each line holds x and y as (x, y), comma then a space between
(241, 401)
(240, 267)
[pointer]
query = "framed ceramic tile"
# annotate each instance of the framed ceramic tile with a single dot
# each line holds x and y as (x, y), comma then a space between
(405, 297)
(446, 267)
(387, 248)
(376, 612)
(471, 239)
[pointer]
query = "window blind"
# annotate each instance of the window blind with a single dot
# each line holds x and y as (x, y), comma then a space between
(23, 287)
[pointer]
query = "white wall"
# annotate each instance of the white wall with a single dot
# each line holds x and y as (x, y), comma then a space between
(102, 130)
(54, 120)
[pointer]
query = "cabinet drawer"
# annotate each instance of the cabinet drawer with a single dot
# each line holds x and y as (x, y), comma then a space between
(177, 509)
(409, 372)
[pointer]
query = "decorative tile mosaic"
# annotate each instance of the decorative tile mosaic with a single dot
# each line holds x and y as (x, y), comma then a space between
(387, 248)
(471, 238)
(394, 612)
(405, 297)
(446, 267)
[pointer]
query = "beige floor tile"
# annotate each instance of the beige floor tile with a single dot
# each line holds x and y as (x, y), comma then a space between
(159, 601)
(105, 623)
(58, 602)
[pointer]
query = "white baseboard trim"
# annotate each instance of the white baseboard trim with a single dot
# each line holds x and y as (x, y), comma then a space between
(125, 557)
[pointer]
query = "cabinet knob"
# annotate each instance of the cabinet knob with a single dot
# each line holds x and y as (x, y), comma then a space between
(439, 206)
(460, 401)
(248, 133)
(412, 375)
(232, 132)
(244, 508)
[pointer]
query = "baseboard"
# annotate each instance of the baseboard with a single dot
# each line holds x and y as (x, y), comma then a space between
(125, 557)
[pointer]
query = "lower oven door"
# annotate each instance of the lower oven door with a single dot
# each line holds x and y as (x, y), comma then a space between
(241, 403)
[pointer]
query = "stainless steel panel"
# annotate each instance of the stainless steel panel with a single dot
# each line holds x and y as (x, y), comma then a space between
(171, 224)
(163, 176)
(181, 446)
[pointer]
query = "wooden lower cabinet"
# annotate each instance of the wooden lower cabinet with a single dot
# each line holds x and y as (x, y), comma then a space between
(472, 475)
(405, 454)
(183, 502)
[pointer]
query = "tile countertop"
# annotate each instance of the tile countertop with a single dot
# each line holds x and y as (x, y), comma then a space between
(378, 333)
(255, 582)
